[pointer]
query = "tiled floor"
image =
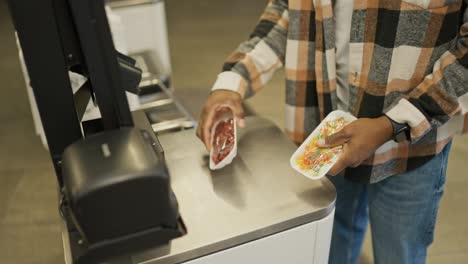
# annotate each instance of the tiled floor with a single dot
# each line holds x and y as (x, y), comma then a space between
(202, 33)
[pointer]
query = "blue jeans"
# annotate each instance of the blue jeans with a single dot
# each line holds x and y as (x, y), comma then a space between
(402, 211)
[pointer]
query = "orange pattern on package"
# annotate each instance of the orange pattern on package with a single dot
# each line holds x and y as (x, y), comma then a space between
(314, 158)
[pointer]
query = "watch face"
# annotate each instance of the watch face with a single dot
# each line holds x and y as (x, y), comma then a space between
(402, 134)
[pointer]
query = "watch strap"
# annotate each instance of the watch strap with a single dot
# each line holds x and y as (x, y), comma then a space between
(401, 131)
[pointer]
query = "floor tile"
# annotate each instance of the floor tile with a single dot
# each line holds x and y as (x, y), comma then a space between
(9, 182)
(33, 200)
(21, 147)
(453, 258)
(31, 244)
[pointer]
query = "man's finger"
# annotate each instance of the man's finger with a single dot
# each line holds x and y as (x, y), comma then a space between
(337, 139)
(214, 112)
(199, 130)
(339, 166)
(206, 129)
(239, 114)
(237, 111)
(356, 164)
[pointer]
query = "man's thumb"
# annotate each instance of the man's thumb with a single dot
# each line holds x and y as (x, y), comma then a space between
(337, 139)
(239, 115)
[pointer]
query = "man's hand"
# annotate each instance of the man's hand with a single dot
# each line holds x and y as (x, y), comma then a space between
(216, 101)
(360, 139)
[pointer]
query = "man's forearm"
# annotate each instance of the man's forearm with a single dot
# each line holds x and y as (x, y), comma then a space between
(252, 65)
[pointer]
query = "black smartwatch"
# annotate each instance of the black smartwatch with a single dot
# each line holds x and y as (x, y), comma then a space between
(401, 131)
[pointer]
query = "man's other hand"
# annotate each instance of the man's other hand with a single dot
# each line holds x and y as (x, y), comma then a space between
(217, 101)
(360, 139)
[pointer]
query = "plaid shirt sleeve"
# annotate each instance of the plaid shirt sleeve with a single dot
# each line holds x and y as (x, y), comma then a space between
(442, 94)
(252, 65)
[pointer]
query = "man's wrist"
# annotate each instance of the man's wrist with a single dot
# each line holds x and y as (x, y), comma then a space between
(401, 131)
(230, 81)
(387, 128)
(232, 94)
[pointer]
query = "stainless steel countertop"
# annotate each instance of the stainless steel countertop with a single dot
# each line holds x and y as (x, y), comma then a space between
(259, 194)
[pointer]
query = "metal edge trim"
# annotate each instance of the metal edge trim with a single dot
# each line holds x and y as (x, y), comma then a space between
(66, 246)
(130, 3)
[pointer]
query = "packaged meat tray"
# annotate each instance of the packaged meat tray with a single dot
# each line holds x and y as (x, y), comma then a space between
(223, 140)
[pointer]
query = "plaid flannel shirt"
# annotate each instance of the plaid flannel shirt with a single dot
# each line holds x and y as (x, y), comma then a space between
(407, 59)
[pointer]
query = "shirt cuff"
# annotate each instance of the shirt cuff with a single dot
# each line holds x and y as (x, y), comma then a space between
(406, 112)
(231, 81)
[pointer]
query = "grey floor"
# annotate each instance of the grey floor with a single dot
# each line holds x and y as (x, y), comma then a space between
(202, 33)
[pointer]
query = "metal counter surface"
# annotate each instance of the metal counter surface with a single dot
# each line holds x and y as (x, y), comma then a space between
(258, 195)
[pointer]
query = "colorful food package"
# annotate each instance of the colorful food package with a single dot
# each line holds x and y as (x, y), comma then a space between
(223, 140)
(312, 161)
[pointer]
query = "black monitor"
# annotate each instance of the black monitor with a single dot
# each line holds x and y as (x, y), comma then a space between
(58, 36)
